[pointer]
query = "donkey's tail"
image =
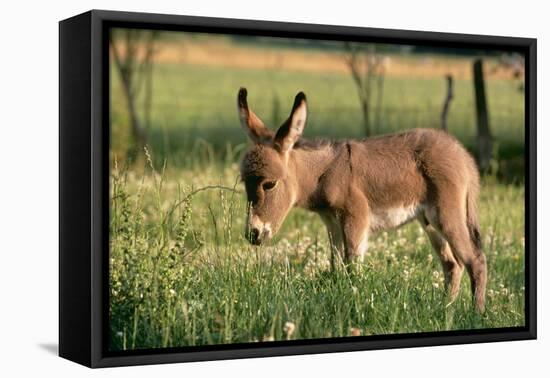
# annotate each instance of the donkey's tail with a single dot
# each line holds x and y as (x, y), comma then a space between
(471, 213)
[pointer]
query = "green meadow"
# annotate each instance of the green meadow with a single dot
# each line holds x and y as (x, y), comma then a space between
(182, 273)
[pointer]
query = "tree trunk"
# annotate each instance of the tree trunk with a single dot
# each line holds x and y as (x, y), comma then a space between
(379, 96)
(136, 76)
(484, 138)
(137, 130)
(366, 117)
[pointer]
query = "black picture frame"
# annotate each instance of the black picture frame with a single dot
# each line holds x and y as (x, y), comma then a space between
(83, 182)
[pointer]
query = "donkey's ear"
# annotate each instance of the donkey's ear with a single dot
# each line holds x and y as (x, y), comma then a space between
(293, 128)
(254, 127)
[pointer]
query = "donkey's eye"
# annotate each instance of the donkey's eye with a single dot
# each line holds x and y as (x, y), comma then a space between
(268, 185)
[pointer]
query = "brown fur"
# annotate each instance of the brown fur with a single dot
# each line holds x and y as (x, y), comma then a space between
(360, 187)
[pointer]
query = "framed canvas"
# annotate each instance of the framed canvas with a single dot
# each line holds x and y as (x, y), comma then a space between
(236, 188)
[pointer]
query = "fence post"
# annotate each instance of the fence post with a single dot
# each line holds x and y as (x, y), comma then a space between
(447, 103)
(484, 138)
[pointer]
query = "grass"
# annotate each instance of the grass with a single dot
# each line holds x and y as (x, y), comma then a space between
(182, 273)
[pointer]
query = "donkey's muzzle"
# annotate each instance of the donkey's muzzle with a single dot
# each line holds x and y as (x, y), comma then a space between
(254, 236)
(257, 231)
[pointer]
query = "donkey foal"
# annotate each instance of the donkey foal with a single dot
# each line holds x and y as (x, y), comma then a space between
(360, 187)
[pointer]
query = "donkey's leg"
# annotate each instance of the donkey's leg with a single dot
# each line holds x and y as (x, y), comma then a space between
(354, 222)
(356, 242)
(452, 219)
(335, 237)
(356, 228)
(356, 238)
(452, 268)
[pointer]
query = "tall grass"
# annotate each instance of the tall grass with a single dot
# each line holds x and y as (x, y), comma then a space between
(181, 272)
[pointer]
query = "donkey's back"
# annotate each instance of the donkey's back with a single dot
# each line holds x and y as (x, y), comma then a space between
(412, 167)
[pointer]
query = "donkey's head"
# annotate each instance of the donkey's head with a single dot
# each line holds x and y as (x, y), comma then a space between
(268, 174)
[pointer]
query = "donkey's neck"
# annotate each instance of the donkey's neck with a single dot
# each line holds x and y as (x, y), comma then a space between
(308, 166)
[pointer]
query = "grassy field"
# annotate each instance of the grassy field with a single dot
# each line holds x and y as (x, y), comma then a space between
(181, 272)
(193, 103)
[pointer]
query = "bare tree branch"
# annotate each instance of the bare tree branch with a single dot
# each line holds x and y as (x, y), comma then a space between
(365, 66)
(135, 71)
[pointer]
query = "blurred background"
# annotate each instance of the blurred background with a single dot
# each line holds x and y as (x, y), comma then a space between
(175, 92)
